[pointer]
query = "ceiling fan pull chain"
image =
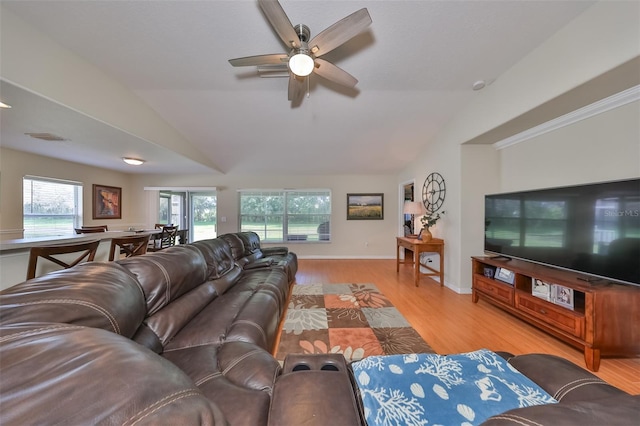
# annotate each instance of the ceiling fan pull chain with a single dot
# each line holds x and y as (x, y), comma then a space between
(307, 87)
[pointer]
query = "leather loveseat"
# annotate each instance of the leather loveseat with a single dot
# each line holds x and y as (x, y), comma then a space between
(180, 336)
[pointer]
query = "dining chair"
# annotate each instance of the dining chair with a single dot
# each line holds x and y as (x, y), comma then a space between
(166, 238)
(162, 225)
(134, 245)
(91, 229)
(86, 249)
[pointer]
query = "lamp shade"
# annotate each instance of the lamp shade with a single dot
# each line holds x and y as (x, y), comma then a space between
(301, 64)
(413, 207)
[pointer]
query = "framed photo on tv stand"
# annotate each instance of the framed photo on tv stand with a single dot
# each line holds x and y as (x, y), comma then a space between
(505, 275)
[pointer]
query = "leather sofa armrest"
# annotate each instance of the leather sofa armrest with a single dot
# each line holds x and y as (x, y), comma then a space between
(315, 390)
(562, 379)
(275, 251)
(621, 410)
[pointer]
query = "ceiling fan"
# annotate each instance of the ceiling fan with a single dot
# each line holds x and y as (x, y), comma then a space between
(304, 56)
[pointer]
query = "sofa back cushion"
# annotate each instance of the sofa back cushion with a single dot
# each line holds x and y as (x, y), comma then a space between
(235, 244)
(176, 288)
(168, 274)
(251, 242)
(93, 294)
(217, 253)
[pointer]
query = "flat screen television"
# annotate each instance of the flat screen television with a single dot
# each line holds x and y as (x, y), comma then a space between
(592, 229)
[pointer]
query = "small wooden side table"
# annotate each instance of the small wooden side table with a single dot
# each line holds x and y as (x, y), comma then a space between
(416, 246)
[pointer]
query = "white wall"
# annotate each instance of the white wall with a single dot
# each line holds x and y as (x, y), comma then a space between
(599, 40)
(349, 238)
(605, 147)
(14, 165)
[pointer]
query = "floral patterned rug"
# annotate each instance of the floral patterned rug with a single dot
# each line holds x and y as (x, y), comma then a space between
(356, 320)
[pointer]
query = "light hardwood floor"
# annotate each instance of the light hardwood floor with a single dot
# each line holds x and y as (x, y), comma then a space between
(451, 323)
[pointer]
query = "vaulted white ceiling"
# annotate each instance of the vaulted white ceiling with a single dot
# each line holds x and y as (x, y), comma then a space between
(415, 64)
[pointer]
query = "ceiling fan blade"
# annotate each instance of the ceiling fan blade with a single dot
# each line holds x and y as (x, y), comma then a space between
(333, 73)
(247, 61)
(280, 22)
(337, 34)
(296, 87)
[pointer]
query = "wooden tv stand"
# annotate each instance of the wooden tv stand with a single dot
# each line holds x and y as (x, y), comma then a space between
(603, 322)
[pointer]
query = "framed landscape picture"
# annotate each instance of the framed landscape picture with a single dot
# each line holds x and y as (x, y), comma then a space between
(107, 202)
(365, 206)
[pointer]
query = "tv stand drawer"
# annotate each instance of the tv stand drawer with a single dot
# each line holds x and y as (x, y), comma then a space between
(560, 318)
(494, 289)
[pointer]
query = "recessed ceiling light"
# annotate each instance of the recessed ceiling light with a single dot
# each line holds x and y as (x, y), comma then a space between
(132, 161)
(3, 105)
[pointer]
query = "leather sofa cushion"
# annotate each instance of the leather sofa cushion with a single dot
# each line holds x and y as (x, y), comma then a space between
(210, 326)
(167, 274)
(612, 411)
(218, 255)
(251, 242)
(240, 406)
(239, 316)
(243, 364)
(562, 379)
(169, 320)
(236, 245)
(67, 374)
(93, 294)
(272, 280)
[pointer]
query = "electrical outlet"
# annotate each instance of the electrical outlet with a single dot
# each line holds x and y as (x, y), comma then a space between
(366, 243)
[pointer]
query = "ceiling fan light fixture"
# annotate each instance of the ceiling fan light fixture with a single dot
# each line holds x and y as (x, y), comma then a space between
(301, 64)
(133, 161)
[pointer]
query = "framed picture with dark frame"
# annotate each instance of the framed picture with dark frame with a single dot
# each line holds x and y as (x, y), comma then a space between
(107, 202)
(365, 206)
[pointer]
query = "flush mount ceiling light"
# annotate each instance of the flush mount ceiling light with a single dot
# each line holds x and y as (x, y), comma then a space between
(301, 64)
(133, 161)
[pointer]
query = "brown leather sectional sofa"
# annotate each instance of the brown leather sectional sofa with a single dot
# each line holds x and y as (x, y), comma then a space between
(184, 337)
(181, 336)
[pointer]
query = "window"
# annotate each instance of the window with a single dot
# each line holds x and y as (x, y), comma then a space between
(286, 215)
(50, 207)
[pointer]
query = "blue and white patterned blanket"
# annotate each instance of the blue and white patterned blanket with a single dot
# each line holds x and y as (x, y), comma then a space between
(427, 389)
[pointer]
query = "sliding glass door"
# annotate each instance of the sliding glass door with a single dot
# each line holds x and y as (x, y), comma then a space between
(192, 210)
(203, 208)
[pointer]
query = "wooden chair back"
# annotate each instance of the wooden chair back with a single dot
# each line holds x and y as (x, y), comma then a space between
(91, 229)
(166, 239)
(86, 249)
(129, 246)
(162, 225)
